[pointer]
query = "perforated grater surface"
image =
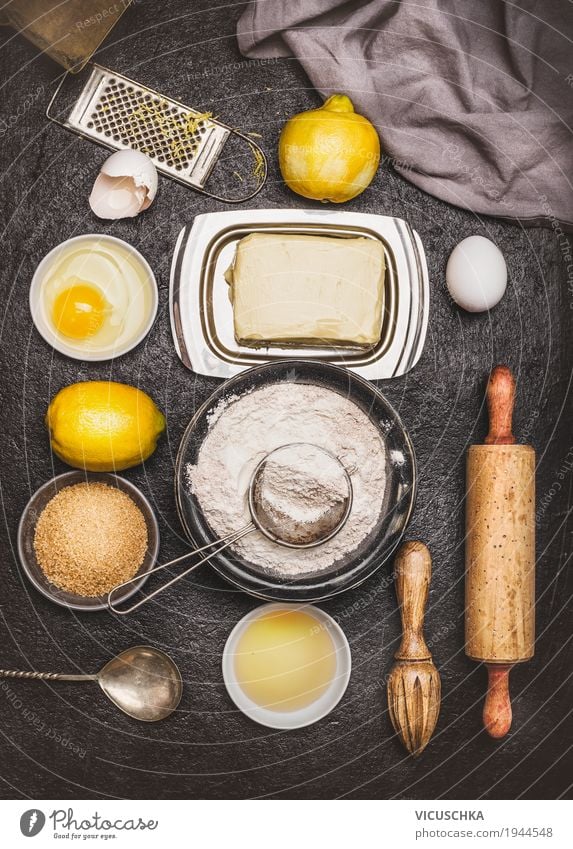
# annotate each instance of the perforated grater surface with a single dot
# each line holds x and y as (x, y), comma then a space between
(183, 143)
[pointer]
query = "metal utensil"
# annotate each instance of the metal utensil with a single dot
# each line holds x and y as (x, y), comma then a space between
(282, 530)
(183, 143)
(142, 681)
(278, 525)
(414, 688)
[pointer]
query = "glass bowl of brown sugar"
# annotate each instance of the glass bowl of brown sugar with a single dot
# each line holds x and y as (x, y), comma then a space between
(82, 533)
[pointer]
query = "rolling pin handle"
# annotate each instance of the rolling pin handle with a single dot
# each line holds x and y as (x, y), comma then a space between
(497, 713)
(413, 570)
(500, 394)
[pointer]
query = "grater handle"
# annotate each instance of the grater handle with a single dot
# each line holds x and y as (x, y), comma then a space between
(53, 99)
(260, 158)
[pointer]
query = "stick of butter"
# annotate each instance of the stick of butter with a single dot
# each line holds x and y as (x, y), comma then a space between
(309, 290)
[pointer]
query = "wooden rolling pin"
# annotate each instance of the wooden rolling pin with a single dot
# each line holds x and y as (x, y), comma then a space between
(500, 552)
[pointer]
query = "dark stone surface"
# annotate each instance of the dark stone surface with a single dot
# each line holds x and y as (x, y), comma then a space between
(208, 749)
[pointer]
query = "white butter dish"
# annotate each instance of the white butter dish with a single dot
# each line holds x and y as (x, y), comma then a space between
(202, 314)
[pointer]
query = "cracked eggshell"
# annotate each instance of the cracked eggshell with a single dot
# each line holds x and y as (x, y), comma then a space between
(125, 186)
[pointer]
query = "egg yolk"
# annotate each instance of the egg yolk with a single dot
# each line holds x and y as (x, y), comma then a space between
(79, 311)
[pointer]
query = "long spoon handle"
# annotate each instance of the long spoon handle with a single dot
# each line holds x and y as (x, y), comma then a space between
(46, 676)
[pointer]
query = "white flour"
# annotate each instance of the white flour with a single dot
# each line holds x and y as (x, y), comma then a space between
(245, 429)
(301, 493)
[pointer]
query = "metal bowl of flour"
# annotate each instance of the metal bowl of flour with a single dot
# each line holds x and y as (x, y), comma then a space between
(397, 504)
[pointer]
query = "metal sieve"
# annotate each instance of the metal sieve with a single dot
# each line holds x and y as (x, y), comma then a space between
(283, 530)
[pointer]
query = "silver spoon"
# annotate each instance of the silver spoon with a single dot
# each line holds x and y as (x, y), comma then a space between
(275, 525)
(142, 681)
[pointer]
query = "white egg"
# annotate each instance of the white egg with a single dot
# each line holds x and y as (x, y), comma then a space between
(125, 186)
(476, 274)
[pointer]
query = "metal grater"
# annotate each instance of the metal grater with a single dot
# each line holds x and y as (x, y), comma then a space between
(182, 142)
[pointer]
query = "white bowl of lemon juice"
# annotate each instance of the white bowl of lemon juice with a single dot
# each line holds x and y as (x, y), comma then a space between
(286, 665)
(93, 297)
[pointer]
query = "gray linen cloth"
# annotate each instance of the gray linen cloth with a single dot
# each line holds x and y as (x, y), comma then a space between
(473, 100)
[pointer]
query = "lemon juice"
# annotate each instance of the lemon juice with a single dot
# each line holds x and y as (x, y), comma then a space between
(285, 660)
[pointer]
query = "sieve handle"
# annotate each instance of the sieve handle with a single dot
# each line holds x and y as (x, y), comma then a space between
(216, 547)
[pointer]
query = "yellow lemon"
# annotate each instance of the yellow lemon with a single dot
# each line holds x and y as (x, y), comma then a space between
(103, 426)
(330, 153)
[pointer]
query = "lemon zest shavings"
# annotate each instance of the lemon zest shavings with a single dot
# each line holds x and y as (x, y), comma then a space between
(178, 130)
(259, 168)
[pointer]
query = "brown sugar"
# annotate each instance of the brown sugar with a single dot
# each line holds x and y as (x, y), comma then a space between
(89, 538)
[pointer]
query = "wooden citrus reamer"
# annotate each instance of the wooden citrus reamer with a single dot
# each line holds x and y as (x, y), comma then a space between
(414, 687)
(500, 552)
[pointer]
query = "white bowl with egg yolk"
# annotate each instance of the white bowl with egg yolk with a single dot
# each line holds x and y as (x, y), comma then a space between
(93, 297)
